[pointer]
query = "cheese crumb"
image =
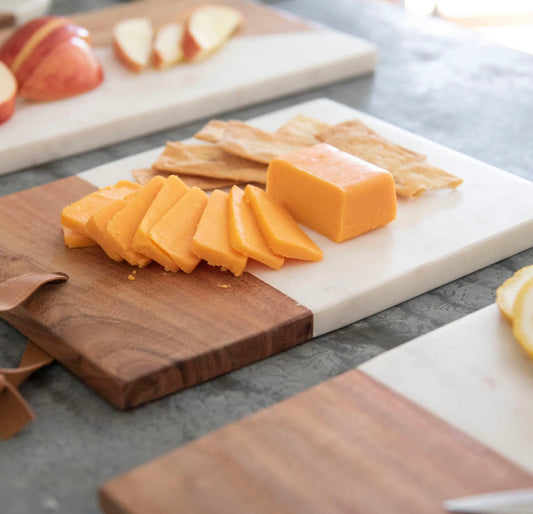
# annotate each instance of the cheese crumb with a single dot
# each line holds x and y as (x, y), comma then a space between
(131, 276)
(223, 286)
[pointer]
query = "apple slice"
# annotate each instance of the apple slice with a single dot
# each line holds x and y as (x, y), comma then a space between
(207, 29)
(69, 69)
(132, 42)
(8, 93)
(167, 45)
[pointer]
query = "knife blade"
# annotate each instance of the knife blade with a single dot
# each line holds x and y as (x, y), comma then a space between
(518, 501)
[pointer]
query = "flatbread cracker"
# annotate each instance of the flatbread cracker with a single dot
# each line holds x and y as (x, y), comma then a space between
(414, 179)
(212, 131)
(356, 127)
(373, 149)
(209, 161)
(143, 176)
(256, 144)
(304, 126)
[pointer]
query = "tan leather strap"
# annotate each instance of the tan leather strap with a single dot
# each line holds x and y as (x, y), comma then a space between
(15, 413)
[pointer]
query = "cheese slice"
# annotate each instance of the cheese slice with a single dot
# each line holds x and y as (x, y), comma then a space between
(74, 239)
(97, 228)
(174, 232)
(76, 215)
(125, 222)
(245, 235)
(283, 235)
(332, 192)
(211, 241)
(173, 189)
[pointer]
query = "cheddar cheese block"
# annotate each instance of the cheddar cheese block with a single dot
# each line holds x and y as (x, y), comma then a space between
(174, 232)
(74, 239)
(245, 235)
(122, 227)
(283, 235)
(96, 227)
(332, 192)
(76, 215)
(173, 189)
(211, 241)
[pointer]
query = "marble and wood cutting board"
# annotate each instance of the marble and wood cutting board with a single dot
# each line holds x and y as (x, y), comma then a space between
(134, 341)
(448, 414)
(274, 54)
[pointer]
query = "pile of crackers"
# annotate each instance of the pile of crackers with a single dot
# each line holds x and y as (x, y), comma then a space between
(233, 152)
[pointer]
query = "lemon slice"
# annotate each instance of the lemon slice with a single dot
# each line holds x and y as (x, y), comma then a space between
(507, 292)
(523, 317)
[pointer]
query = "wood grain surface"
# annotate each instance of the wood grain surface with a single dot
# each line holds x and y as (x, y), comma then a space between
(133, 341)
(258, 19)
(347, 445)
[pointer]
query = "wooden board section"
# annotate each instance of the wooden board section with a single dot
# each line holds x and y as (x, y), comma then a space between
(476, 359)
(133, 341)
(348, 445)
(253, 66)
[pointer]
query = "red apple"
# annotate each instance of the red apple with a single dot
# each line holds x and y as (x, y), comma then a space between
(208, 28)
(132, 43)
(167, 45)
(8, 93)
(45, 45)
(69, 69)
(14, 44)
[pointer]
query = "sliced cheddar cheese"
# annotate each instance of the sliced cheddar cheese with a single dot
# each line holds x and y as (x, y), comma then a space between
(76, 215)
(122, 227)
(174, 232)
(96, 227)
(283, 235)
(173, 189)
(244, 233)
(332, 192)
(211, 241)
(74, 239)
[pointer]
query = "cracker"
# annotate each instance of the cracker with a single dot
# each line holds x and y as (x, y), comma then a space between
(212, 131)
(414, 179)
(209, 161)
(142, 176)
(256, 144)
(304, 126)
(358, 128)
(373, 149)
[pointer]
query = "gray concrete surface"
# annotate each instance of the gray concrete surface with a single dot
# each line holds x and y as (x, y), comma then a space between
(434, 79)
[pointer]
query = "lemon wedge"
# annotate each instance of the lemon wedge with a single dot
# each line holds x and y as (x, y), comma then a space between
(523, 317)
(506, 294)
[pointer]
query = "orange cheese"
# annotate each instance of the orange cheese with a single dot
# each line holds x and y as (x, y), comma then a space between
(74, 239)
(244, 233)
(174, 232)
(332, 192)
(76, 215)
(122, 227)
(96, 227)
(211, 241)
(281, 232)
(173, 189)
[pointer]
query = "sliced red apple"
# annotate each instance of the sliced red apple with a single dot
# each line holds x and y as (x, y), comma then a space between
(132, 42)
(8, 93)
(207, 29)
(167, 45)
(69, 69)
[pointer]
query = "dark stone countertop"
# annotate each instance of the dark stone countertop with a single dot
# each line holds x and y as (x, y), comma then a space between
(434, 79)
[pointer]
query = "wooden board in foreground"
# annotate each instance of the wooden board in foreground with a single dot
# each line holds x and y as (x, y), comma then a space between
(348, 445)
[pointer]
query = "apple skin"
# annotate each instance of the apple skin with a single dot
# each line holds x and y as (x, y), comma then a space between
(9, 93)
(45, 46)
(69, 69)
(20, 36)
